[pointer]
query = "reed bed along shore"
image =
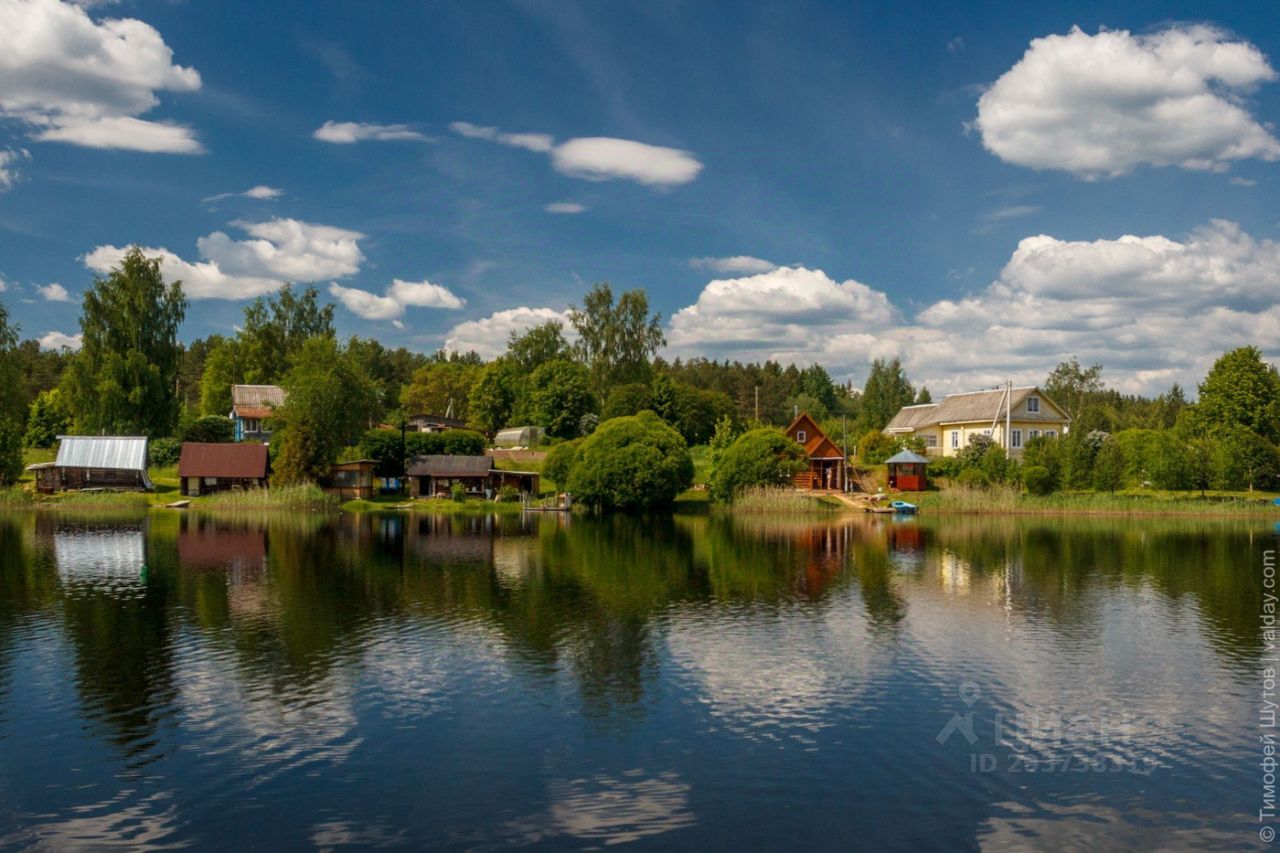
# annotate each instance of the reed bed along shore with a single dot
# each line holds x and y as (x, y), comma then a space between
(1011, 500)
(303, 498)
(776, 499)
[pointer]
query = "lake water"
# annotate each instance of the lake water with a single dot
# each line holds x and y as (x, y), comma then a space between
(693, 683)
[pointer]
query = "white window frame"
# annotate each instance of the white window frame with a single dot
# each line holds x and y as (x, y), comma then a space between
(1035, 433)
(987, 433)
(1015, 438)
(1033, 404)
(955, 439)
(1050, 433)
(930, 441)
(801, 436)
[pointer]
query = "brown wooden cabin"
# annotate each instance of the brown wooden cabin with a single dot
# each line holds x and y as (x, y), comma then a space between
(204, 469)
(907, 472)
(351, 480)
(95, 462)
(826, 460)
(434, 476)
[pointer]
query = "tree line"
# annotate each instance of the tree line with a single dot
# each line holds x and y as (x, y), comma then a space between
(133, 376)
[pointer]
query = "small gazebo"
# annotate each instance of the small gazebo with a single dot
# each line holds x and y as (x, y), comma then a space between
(906, 472)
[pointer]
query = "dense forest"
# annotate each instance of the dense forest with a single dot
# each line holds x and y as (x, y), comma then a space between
(133, 376)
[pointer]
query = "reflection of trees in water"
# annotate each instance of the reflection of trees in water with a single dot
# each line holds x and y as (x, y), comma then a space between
(1054, 568)
(289, 600)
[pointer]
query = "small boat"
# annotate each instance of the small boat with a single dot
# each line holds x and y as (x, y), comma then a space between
(904, 507)
(178, 505)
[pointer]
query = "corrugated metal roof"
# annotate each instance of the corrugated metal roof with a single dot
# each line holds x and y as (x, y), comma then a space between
(128, 453)
(450, 466)
(259, 396)
(246, 461)
(906, 457)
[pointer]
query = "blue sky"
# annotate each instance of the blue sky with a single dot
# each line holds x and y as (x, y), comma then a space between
(951, 186)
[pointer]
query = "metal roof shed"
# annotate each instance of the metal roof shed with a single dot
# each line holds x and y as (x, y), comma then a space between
(103, 461)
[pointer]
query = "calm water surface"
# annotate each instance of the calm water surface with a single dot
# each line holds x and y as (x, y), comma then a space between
(691, 683)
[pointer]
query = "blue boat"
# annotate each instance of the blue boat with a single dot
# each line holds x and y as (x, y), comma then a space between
(904, 507)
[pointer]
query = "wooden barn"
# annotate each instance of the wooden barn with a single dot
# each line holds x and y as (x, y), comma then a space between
(434, 476)
(204, 469)
(827, 468)
(95, 462)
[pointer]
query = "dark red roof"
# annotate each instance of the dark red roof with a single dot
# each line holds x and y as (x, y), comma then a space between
(247, 461)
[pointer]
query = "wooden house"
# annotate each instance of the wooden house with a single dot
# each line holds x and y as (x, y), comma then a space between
(351, 480)
(826, 469)
(95, 462)
(204, 469)
(1009, 416)
(251, 406)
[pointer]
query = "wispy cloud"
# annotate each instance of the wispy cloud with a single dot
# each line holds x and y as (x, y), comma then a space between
(261, 192)
(565, 207)
(597, 158)
(737, 264)
(350, 132)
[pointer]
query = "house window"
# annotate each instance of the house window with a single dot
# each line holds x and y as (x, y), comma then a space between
(1033, 404)
(1049, 433)
(1015, 438)
(986, 432)
(251, 425)
(800, 436)
(955, 439)
(1035, 433)
(930, 441)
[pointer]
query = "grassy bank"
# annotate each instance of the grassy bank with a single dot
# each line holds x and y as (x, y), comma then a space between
(434, 506)
(1010, 500)
(306, 498)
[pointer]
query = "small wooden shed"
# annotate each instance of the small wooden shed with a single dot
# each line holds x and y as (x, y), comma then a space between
(434, 475)
(907, 472)
(351, 480)
(206, 468)
(96, 462)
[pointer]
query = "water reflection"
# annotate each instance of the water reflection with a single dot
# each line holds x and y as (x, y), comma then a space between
(186, 668)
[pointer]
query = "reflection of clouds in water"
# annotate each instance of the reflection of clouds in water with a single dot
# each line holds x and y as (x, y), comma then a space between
(1092, 826)
(273, 730)
(1103, 676)
(618, 811)
(345, 833)
(147, 824)
(100, 559)
(607, 809)
(412, 671)
(763, 669)
(513, 559)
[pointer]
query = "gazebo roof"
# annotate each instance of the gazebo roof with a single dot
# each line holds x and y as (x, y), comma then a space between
(906, 457)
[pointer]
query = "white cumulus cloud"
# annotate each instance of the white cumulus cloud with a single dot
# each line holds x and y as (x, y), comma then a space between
(72, 79)
(488, 335)
(60, 340)
(598, 158)
(740, 264)
(278, 251)
(349, 132)
(399, 295)
(1100, 105)
(53, 292)
(1152, 309)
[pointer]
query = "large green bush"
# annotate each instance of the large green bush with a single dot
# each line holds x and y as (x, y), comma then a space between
(875, 446)
(163, 452)
(631, 464)
(559, 463)
(761, 457)
(973, 478)
(210, 429)
(1038, 480)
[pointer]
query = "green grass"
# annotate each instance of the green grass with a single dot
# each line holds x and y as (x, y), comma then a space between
(701, 455)
(16, 497)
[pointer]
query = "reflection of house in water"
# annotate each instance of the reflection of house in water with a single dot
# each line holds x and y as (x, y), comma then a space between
(106, 558)
(239, 550)
(439, 539)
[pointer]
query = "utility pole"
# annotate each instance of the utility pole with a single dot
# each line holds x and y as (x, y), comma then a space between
(757, 404)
